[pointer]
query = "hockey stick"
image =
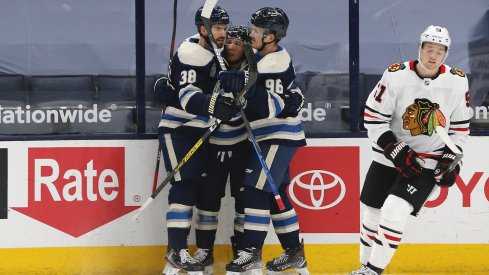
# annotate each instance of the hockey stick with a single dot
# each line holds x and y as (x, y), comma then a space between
(442, 133)
(206, 15)
(172, 48)
(251, 79)
(264, 164)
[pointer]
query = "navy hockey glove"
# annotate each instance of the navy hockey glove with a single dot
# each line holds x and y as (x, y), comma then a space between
(221, 107)
(404, 158)
(232, 81)
(164, 92)
(441, 174)
(294, 100)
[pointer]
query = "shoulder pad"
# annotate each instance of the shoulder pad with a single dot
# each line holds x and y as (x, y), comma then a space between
(191, 53)
(396, 67)
(457, 72)
(275, 62)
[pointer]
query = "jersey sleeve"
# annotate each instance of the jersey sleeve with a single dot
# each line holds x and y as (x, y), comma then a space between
(380, 106)
(192, 81)
(273, 82)
(460, 117)
(266, 102)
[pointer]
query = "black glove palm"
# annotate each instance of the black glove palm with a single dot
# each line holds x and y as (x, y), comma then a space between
(404, 158)
(234, 81)
(442, 175)
(221, 107)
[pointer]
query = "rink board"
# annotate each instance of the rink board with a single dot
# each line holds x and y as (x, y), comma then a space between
(69, 208)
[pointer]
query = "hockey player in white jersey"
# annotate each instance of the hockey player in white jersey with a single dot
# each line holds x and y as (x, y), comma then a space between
(409, 157)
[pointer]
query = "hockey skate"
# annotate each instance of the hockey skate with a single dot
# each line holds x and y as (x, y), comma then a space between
(206, 258)
(248, 260)
(181, 260)
(364, 270)
(292, 258)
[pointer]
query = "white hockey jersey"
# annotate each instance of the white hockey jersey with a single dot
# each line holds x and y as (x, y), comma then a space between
(411, 107)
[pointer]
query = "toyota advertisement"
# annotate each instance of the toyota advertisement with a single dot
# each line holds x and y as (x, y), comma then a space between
(325, 189)
(84, 193)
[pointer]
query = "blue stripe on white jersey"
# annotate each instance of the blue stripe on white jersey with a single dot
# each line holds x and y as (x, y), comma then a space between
(174, 118)
(279, 129)
(228, 135)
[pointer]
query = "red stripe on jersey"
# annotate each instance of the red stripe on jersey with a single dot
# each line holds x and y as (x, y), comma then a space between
(370, 116)
(459, 129)
(392, 238)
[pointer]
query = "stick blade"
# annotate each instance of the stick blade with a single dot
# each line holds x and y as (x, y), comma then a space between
(208, 7)
(442, 133)
(135, 218)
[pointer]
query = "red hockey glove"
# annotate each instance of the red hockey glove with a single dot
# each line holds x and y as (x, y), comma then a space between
(442, 176)
(404, 158)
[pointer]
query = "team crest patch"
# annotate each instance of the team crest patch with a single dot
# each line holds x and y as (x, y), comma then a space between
(457, 72)
(396, 67)
(422, 117)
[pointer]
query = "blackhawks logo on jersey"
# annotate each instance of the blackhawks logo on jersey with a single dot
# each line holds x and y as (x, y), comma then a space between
(396, 67)
(457, 72)
(422, 117)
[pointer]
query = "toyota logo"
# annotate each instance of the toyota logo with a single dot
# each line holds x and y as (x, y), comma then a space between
(317, 183)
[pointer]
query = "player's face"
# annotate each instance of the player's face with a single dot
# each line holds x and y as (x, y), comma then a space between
(409, 118)
(256, 36)
(234, 50)
(432, 55)
(219, 33)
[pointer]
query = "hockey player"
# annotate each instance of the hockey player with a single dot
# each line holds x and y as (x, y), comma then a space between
(228, 154)
(272, 107)
(193, 75)
(409, 158)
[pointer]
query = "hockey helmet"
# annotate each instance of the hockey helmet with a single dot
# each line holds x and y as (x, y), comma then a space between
(436, 34)
(272, 19)
(218, 16)
(240, 32)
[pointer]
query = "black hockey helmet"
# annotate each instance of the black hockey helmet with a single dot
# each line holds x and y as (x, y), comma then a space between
(272, 19)
(240, 32)
(218, 16)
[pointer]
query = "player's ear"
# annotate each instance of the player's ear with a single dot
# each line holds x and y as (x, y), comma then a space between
(270, 37)
(202, 30)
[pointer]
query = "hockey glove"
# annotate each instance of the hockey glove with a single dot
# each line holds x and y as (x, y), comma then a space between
(404, 158)
(221, 107)
(441, 174)
(164, 92)
(294, 100)
(232, 81)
